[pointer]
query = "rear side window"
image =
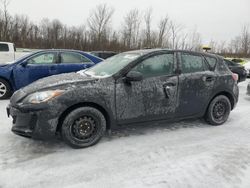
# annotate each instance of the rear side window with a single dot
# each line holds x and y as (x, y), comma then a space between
(192, 63)
(67, 57)
(211, 61)
(4, 48)
(158, 65)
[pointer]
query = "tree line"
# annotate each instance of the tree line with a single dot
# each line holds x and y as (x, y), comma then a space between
(137, 32)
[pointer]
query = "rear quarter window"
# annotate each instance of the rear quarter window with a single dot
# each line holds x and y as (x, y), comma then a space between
(211, 61)
(4, 48)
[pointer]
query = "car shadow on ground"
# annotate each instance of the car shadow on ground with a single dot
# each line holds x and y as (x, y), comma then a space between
(134, 130)
(19, 150)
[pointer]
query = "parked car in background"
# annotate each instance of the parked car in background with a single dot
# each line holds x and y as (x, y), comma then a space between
(8, 52)
(103, 54)
(41, 64)
(133, 87)
(248, 88)
(247, 67)
(238, 69)
(237, 60)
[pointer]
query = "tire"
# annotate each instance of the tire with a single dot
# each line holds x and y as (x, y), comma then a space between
(218, 110)
(83, 127)
(5, 89)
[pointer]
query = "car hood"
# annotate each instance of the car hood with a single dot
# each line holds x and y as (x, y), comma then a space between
(56, 81)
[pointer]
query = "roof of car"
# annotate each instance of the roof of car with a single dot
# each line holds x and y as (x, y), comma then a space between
(103, 52)
(147, 51)
(70, 50)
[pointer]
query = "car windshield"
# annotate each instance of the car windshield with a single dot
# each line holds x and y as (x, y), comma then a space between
(111, 66)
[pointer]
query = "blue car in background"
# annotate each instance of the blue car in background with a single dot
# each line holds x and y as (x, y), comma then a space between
(42, 64)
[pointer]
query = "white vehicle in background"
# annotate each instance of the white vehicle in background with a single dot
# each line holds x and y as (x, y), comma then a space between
(9, 54)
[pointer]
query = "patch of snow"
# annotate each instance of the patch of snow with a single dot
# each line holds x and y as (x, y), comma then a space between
(183, 154)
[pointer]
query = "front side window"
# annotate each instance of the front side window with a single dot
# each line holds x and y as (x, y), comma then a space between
(68, 57)
(192, 63)
(4, 48)
(158, 65)
(45, 58)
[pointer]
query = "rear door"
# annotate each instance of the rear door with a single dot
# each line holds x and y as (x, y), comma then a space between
(196, 83)
(73, 62)
(153, 98)
(38, 66)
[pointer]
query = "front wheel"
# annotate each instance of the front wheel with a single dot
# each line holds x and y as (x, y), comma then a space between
(5, 89)
(218, 110)
(83, 127)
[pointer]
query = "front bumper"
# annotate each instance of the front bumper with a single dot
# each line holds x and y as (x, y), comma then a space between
(37, 124)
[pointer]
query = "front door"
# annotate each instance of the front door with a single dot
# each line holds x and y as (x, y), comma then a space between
(38, 66)
(196, 84)
(153, 98)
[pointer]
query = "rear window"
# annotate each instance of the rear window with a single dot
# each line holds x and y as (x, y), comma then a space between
(4, 48)
(237, 60)
(211, 61)
(68, 57)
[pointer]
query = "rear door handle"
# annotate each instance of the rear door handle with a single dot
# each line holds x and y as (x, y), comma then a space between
(209, 79)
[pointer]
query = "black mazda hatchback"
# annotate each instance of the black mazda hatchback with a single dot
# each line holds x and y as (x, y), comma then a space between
(133, 87)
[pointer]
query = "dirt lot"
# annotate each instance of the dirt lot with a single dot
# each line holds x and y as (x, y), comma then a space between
(184, 154)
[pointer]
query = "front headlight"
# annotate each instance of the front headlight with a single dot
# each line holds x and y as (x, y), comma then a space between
(42, 96)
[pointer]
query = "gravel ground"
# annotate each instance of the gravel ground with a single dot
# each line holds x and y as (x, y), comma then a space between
(184, 154)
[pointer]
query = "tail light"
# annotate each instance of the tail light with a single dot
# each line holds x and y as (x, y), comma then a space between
(235, 77)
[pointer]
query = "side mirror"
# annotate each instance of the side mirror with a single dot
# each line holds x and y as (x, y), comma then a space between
(134, 76)
(24, 63)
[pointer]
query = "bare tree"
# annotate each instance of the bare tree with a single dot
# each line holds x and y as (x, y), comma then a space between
(175, 29)
(131, 29)
(5, 4)
(163, 30)
(195, 42)
(245, 40)
(99, 21)
(148, 22)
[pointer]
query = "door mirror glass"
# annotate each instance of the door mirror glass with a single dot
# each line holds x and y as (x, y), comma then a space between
(134, 76)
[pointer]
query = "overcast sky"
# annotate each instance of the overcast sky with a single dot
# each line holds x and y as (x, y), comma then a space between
(213, 19)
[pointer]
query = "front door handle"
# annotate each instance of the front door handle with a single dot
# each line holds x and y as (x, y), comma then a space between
(168, 87)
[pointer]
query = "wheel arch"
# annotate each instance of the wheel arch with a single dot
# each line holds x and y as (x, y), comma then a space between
(8, 81)
(106, 114)
(225, 93)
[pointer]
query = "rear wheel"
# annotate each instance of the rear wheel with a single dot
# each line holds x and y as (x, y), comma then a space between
(5, 89)
(83, 127)
(218, 110)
